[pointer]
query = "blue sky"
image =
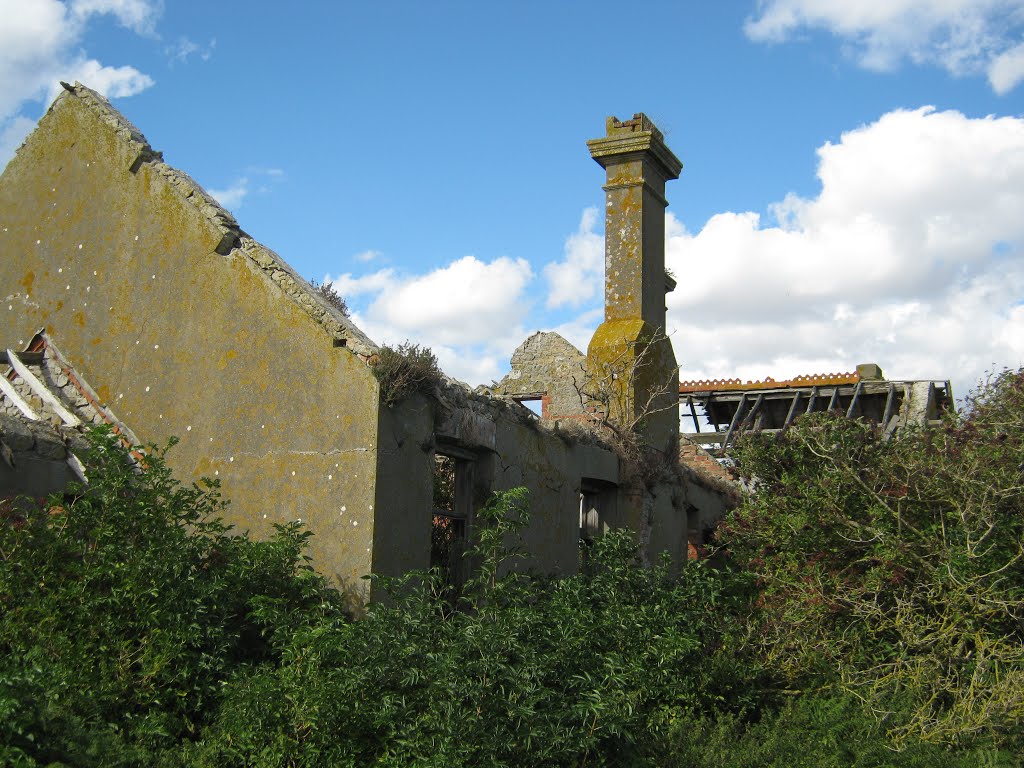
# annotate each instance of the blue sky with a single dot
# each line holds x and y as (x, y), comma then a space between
(853, 185)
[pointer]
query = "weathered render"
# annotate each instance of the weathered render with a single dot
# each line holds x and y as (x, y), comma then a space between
(190, 328)
(194, 329)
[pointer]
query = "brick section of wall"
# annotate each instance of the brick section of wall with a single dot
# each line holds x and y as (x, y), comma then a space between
(705, 465)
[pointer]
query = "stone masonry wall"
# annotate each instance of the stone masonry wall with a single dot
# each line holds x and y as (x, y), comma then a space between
(549, 368)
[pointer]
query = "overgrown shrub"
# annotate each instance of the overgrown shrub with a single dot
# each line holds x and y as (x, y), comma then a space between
(405, 370)
(594, 669)
(895, 569)
(124, 608)
(869, 613)
(826, 729)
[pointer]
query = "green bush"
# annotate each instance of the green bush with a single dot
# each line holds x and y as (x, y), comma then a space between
(126, 605)
(868, 613)
(821, 730)
(591, 670)
(405, 370)
(894, 568)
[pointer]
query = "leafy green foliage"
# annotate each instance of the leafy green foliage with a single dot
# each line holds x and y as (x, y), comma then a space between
(405, 370)
(586, 670)
(820, 730)
(896, 567)
(868, 612)
(125, 605)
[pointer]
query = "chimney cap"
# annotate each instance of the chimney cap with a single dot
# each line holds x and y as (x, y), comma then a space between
(629, 140)
(640, 123)
(870, 372)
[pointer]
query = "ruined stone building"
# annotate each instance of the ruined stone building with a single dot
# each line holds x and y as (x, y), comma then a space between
(128, 290)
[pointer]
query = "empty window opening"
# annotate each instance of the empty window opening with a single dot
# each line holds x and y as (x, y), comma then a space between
(452, 513)
(597, 508)
(535, 404)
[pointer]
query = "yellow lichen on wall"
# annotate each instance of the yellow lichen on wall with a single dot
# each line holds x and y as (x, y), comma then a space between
(631, 368)
(179, 340)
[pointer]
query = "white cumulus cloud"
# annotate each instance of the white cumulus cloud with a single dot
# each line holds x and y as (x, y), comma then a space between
(911, 256)
(40, 44)
(962, 36)
(137, 15)
(232, 197)
(470, 312)
(577, 279)
(1007, 69)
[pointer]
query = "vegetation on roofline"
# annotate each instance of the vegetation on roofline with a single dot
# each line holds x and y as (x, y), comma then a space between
(328, 292)
(406, 370)
(865, 610)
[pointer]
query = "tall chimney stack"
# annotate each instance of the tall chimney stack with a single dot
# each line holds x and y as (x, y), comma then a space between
(630, 353)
